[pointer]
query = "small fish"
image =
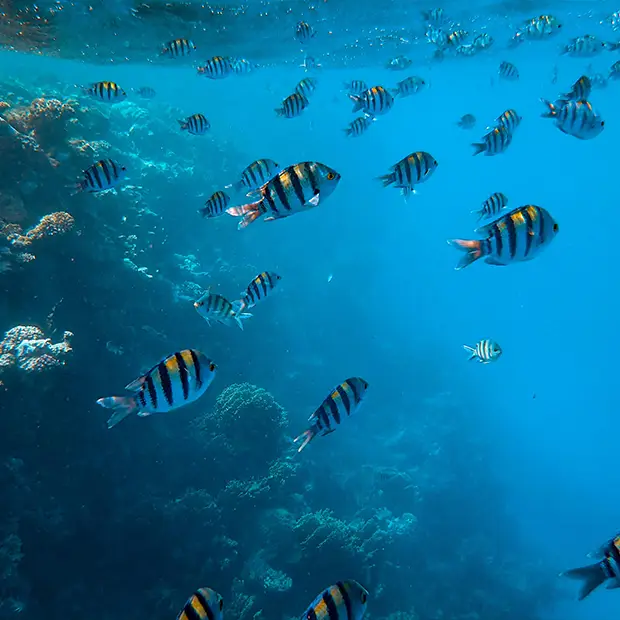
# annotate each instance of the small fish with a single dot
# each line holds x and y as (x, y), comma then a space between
(584, 47)
(437, 37)
(376, 100)
(518, 236)
(492, 206)
(146, 92)
(216, 205)
(467, 121)
(614, 71)
(102, 175)
(483, 41)
(297, 188)
(606, 570)
(537, 28)
(346, 600)
(508, 71)
(179, 48)
(344, 400)
(457, 37)
(434, 17)
(304, 32)
(356, 87)
(258, 289)
(110, 92)
(256, 175)
(212, 306)
(357, 127)
(217, 68)
(575, 118)
(306, 87)
(494, 142)
(408, 172)
(509, 119)
(399, 63)
(579, 91)
(204, 604)
(466, 50)
(409, 86)
(614, 20)
(196, 124)
(179, 379)
(293, 106)
(485, 351)
(241, 66)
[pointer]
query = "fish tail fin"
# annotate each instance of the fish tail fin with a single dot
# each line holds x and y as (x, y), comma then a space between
(77, 188)
(240, 317)
(122, 407)
(395, 92)
(183, 125)
(280, 111)
(550, 112)
(471, 351)
(592, 577)
(248, 212)
(308, 435)
(473, 249)
(386, 179)
(358, 104)
(479, 147)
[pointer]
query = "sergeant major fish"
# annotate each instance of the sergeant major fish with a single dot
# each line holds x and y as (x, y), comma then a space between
(344, 400)
(492, 205)
(584, 47)
(217, 68)
(579, 91)
(306, 87)
(109, 92)
(399, 63)
(520, 235)
(356, 87)
(204, 604)
(485, 351)
(508, 71)
(177, 380)
(212, 306)
(376, 100)
(358, 126)
(408, 86)
(179, 48)
(467, 121)
(216, 205)
(293, 105)
(483, 41)
(494, 142)
(509, 119)
(258, 289)
(297, 188)
(196, 124)
(537, 28)
(102, 175)
(575, 118)
(410, 171)
(304, 32)
(256, 175)
(346, 600)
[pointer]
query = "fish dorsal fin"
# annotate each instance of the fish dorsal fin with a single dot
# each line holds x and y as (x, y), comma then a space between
(136, 384)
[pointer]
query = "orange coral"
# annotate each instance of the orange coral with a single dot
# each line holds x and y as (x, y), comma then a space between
(57, 223)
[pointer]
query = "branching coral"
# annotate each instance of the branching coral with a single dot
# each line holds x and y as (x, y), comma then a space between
(50, 225)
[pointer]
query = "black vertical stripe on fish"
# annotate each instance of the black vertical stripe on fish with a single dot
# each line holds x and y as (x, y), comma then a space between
(150, 386)
(330, 604)
(263, 284)
(190, 612)
(142, 399)
(333, 407)
(345, 399)
(106, 172)
(197, 368)
(166, 384)
(184, 374)
(356, 396)
(529, 233)
(271, 202)
(311, 615)
(271, 284)
(324, 417)
(89, 177)
(512, 236)
(541, 231)
(95, 171)
(280, 192)
(297, 186)
(254, 292)
(309, 173)
(346, 598)
(203, 601)
(499, 244)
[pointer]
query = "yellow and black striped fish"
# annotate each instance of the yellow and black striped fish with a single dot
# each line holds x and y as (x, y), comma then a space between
(304, 32)
(492, 205)
(109, 92)
(179, 48)
(410, 171)
(257, 174)
(344, 400)
(510, 119)
(358, 126)
(376, 100)
(580, 90)
(508, 71)
(346, 600)
(196, 124)
(293, 105)
(536, 28)
(102, 175)
(204, 604)
(212, 306)
(216, 205)
(306, 87)
(494, 142)
(179, 379)
(258, 288)
(218, 67)
(520, 235)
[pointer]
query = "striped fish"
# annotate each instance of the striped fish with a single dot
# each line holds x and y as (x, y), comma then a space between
(212, 306)
(376, 100)
(297, 188)
(178, 48)
(508, 71)
(356, 87)
(218, 67)
(359, 126)
(456, 38)
(258, 289)
(485, 351)
(102, 175)
(575, 118)
(346, 600)
(509, 119)
(433, 17)
(614, 71)
(580, 90)
(216, 205)
(179, 379)
(483, 41)
(494, 142)
(204, 604)
(109, 92)
(584, 47)
(520, 235)
(492, 206)
(306, 87)
(408, 172)
(466, 50)
(408, 86)
(256, 175)
(293, 106)
(536, 28)
(304, 32)
(242, 66)
(343, 401)
(196, 124)
(399, 63)
(467, 121)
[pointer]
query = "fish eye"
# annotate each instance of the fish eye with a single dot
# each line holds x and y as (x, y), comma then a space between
(331, 176)
(602, 123)
(212, 367)
(364, 598)
(556, 228)
(221, 600)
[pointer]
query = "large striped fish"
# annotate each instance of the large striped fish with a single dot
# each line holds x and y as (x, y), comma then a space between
(344, 400)
(179, 379)
(204, 604)
(258, 289)
(101, 176)
(536, 28)
(575, 118)
(346, 600)
(374, 101)
(519, 235)
(297, 188)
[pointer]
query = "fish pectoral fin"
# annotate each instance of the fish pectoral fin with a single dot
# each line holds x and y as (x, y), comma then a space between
(135, 385)
(314, 201)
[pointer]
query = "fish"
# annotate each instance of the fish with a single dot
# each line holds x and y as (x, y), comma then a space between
(399, 63)
(485, 351)
(306, 87)
(509, 119)
(437, 37)
(216, 205)
(579, 91)
(204, 604)
(508, 71)
(494, 142)
(483, 41)
(146, 92)
(466, 50)
(537, 28)
(177, 380)
(304, 32)
(408, 86)
(456, 38)
(575, 118)
(179, 48)
(110, 92)
(196, 124)
(614, 20)
(358, 126)
(256, 175)
(346, 600)
(356, 87)
(217, 68)
(258, 289)
(101, 176)
(344, 400)
(211, 306)
(519, 235)
(467, 121)
(434, 16)
(295, 189)
(606, 570)
(585, 46)
(492, 205)
(409, 171)
(242, 66)
(293, 106)
(376, 100)
(614, 71)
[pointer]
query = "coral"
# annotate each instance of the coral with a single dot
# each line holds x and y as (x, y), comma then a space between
(47, 118)
(52, 224)
(26, 348)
